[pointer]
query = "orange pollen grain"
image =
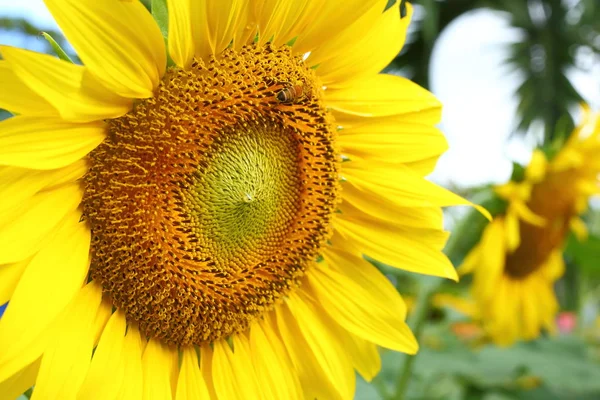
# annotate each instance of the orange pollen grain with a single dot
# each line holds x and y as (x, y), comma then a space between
(208, 201)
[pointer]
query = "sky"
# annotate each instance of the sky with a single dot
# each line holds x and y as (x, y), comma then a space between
(476, 90)
(467, 75)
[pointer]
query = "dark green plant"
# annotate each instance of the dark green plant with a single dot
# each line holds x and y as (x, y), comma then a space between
(552, 33)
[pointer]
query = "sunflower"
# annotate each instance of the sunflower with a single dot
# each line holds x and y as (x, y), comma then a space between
(519, 256)
(188, 220)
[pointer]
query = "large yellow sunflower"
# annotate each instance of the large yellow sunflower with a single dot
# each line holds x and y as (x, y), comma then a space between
(196, 231)
(519, 257)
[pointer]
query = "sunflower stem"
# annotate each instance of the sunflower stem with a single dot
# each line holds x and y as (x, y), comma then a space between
(382, 388)
(416, 321)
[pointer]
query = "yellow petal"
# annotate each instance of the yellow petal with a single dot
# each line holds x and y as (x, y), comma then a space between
(403, 185)
(203, 45)
(506, 313)
(271, 16)
(579, 228)
(107, 371)
(246, 25)
(117, 40)
(530, 318)
(18, 185)
(315, 378)
(24, 232)
(104, 313)
(214, 24)
(72, 89)
(32, 142)
(491, 259)
(381, 95)
(537, 166)
(588, 187)
(330, 356)
(328, 19)
(554, 267)
(429, 116)
(206, 356)
(501, 312)
(298, 16)
(223, 17)
(392, 142)
(27, 102)
(66, 360)
(409, 249)
(462, 305)
(567, 158)
(358, 203)
(181, 44)
(514, 191)
(17, 384)
(471, 262)
(424, 167)
(581, 204)
(338, 46)
(364, 355)
(232, 370)
(132, 358)
(274, 371)
(281, 21)
(158, 366)
(55, 274)
(371, 50)
(549, 305)
(513, 233)
(190, 384)
(9, 278)
(520, 208)
(359, 298)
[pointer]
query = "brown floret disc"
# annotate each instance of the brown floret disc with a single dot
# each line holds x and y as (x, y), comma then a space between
(208, 201)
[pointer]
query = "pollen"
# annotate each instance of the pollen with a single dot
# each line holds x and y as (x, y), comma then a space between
(208, 201)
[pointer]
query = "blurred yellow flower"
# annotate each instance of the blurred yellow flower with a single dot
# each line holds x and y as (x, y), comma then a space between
(457, 303)
(519, 256)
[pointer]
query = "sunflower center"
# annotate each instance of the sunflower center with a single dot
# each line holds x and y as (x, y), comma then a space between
(208, 201)
(553, 200)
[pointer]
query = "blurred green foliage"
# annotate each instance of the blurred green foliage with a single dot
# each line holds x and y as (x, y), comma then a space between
(548, 369)
(27, 30)
(586, 254)
(552, 33)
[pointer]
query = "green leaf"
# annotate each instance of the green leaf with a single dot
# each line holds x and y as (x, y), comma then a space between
(365, 391)
(518, 172)
(542, 56)
(56, 47)
(551, 149)
(585, 254)
(562, 365)
(161, 16)
(4, 114)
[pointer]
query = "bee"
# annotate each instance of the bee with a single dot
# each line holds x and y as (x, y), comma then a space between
(290, 94)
